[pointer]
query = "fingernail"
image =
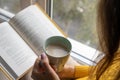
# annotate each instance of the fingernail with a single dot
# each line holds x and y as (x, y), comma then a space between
(43, 56)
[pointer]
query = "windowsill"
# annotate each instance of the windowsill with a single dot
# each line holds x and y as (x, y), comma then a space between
(83, 53)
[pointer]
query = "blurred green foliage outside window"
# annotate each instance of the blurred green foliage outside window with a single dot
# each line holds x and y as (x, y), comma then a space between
(78, 19)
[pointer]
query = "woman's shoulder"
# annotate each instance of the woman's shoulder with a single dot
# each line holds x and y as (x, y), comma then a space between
(113, 70)
(115, 64)
(117, 56)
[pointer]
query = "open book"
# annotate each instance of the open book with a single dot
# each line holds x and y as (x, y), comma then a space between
(21, 41)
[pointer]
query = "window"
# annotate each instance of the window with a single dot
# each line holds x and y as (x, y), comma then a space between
(78, 20)
(12, 6)
(76, 17)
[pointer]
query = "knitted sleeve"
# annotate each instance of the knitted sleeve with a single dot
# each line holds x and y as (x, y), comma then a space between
(81, 71)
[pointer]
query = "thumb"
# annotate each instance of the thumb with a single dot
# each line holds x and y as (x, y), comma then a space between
(48, 69)
(45, 63)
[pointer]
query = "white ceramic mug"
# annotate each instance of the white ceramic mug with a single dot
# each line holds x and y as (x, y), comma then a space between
(58, 50)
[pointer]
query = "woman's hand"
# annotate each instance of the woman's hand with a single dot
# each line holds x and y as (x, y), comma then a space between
(67, 72)
(42, 70)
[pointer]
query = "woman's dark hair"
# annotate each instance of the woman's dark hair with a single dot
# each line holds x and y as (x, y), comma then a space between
(108, 27)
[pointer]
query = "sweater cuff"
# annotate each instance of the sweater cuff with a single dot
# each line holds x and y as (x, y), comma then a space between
(77, 73)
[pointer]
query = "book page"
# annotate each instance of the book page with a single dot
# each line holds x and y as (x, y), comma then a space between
(34, 26)
(14, 51)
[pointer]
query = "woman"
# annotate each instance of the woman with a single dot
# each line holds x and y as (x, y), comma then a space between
(107, 68)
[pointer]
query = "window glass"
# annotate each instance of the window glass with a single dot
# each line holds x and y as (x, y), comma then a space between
(12, 6)
(78, 19)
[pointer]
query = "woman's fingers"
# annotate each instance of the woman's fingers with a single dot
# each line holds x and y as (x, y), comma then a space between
(42, 68)
(48, 69)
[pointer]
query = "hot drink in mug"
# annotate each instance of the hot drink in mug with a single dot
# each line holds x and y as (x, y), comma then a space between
(58, 50)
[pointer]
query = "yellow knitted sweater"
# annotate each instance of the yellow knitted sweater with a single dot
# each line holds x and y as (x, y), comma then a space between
(81, 72)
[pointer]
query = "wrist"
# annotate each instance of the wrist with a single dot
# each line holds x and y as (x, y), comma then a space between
(68, 72)
(71, 72)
